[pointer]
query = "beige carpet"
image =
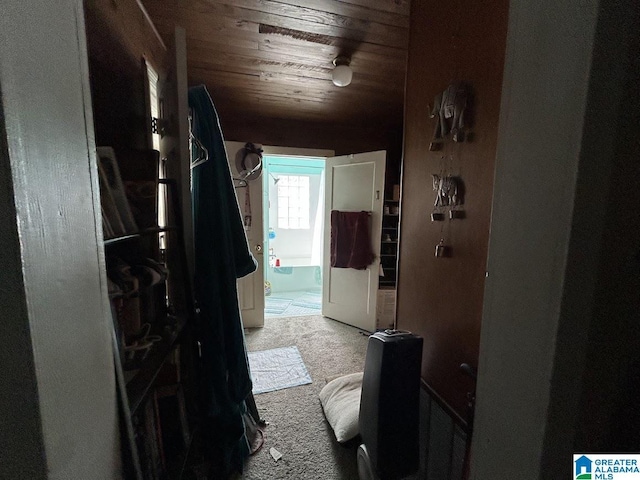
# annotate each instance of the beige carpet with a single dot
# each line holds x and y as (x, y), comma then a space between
(297, 427)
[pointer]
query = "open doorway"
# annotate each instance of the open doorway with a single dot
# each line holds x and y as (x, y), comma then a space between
(293, 212)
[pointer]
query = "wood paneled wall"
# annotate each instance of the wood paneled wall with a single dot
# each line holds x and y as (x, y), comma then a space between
(341, 138)
(441, 298)
(119, 37)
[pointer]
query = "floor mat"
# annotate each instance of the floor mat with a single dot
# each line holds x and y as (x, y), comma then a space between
(308, 300)
(293, 304)
(276, 305)
(277, 369)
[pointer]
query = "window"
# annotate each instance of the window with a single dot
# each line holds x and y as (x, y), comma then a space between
(154, 103)
(293, 201)
(154, 111)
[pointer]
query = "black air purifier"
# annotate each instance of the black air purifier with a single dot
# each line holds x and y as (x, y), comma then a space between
(389, 406)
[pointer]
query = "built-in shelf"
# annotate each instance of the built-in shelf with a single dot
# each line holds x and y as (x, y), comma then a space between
(138, 387)
(387, 259)
(130, 236)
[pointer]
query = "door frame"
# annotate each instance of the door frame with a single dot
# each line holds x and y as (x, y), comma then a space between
(253, 308)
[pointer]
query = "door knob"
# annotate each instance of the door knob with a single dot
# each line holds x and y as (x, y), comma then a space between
(259, 248)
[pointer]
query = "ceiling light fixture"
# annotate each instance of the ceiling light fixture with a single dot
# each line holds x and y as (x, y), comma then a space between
(342, 74)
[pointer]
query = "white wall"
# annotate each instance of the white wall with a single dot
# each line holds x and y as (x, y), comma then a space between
(59, 318)
(562, 99)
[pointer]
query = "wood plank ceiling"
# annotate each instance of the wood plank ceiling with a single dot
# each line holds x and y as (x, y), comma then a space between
(272, 59)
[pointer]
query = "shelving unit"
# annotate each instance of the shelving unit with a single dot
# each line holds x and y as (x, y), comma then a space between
(389, 244)
(149, 279)
(139, 385)
(388, 261)
(131, 236)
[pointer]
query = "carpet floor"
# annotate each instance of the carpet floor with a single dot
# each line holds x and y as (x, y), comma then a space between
(297, 427)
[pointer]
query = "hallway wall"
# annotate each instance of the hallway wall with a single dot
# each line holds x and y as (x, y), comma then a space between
(441, 298)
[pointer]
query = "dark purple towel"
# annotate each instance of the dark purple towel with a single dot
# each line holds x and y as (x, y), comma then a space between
(350, 240)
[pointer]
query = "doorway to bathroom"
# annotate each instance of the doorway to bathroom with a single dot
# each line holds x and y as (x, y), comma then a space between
(293, 203)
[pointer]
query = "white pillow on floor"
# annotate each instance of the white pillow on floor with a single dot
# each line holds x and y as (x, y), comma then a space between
(340, 400)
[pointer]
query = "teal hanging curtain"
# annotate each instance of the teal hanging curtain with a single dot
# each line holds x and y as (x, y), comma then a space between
(221, 256)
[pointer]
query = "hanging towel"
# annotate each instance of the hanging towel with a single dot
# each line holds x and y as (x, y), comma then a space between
(221, 256)
(350, 240)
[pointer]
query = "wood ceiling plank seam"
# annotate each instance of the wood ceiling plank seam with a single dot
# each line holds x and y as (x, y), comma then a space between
(237, 76)
(273, 115)
(253, 103)
(201, 30)
(380, 84)
(321, 110)
(388, 93)
(395, 89)
(256, 62)
(400, 7)
(164, 14)
(355, 11)
(296, 70)
(378, 87)
(305, 55)
(287, 90)
(386, 73)
(298, 12)
(206, 40)
(383, 36)
(206, 37)
(326, 105)
(324, 90)
(317, 126)
(209, 67)
(250, 58)
(339, 44)
(328, 51)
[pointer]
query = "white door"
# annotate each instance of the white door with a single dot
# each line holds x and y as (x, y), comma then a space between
(353, 183)
(251, 287)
